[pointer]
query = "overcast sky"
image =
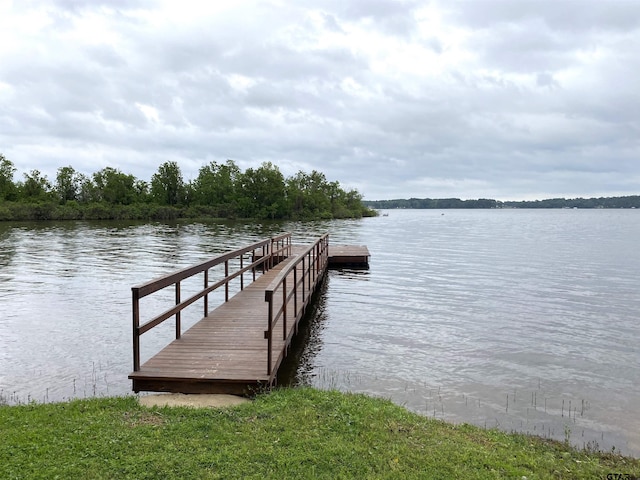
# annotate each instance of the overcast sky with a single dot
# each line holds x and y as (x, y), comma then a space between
(511, 99)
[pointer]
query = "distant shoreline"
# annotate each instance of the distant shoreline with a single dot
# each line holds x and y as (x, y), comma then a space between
(631, 202)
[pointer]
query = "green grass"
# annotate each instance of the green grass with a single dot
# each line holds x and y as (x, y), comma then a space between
(289, 433)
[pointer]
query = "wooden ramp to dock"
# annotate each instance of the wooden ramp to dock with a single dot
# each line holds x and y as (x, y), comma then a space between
(238, 346)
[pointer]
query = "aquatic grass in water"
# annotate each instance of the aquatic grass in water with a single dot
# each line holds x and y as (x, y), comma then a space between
(533, 412)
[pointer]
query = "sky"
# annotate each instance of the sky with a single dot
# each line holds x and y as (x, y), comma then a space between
(502, 99)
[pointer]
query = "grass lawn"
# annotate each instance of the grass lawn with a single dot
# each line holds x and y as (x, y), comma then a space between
(288, 433)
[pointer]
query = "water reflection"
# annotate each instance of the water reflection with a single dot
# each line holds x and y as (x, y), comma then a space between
(298, 368)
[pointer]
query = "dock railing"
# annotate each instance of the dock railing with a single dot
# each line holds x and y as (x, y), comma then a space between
(262, 255)
(280, 249)
(289, 293)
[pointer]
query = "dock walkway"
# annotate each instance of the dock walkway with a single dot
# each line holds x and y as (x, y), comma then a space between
(238, 346)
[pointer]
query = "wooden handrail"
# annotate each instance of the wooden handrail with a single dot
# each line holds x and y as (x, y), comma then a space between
(152, 286)
(265, 261)
(313, 261)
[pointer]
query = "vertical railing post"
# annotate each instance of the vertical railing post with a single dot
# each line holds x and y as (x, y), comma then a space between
(178, 326)
(136, 325)
(315, 263)
(226, 283)
(206, 296)
(268, 332)
(267, 257)
(253, 260)
(320, 252)
(284, 308)
(242, 274)
(303, 278)
(270, 260)
(325, 253)
(295, 293)
(265, 264)
(309, 267)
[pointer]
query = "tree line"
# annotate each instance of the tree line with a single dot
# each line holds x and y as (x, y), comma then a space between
(432, 203)
(632, 201)
(221, 190)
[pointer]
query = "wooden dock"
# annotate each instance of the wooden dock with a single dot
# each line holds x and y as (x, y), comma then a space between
(355, 256)
(238, 346)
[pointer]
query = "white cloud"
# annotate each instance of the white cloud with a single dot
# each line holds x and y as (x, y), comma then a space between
(399, 98)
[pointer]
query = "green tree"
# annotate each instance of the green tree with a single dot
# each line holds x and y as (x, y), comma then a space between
(217, 187)
(112, 186)
(216, 184)
(87, 190)
(36, 187)
(310, 195)
(221, 189)
(167, 185)
(354, 200)
(67, 185)
(262, 192)
(8, 189)
(142, 191)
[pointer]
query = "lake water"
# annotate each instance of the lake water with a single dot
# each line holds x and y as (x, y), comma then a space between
(524, 320)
